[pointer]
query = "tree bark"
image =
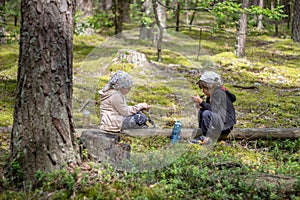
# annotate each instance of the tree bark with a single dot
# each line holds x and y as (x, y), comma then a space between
(86, 9)
(296, 22)
(193, 15)
(126, 11)
(177, 13)
(265, 133)
(43, 133)
(260, 25)
(162, 16)
(287, 11)
(118, 12)
(2, 20)
(160, 30)
(85, 6)
(145, 30)
(187, 12)
(105, 4)
(242, 31)
(274, 3)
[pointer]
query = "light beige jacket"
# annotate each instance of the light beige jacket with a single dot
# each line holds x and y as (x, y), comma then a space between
(113, 109)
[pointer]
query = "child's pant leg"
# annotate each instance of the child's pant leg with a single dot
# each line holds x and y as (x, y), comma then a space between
(210, 121)
(134, 121)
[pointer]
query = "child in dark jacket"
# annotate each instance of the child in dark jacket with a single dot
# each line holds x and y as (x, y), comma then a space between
(216, 115)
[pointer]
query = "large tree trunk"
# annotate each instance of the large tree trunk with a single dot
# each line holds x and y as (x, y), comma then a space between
(242, 31)
(43, 134)
(296, 22)
(2, 20)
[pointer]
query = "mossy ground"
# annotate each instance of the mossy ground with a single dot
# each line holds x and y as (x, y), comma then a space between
(271, 64)
(227, 172)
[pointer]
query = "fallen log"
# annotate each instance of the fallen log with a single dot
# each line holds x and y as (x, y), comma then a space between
(236, 134)
(265, 133)
(186, 133)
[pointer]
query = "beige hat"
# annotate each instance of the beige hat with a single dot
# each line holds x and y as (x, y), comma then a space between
(210, 77)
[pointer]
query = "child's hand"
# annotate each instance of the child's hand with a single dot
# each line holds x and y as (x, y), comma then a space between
(145, 106)
(196, 98)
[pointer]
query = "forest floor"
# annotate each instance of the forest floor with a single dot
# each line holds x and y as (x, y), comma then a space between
(267, 85)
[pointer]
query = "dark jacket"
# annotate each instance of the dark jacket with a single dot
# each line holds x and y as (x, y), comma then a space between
(221, 103)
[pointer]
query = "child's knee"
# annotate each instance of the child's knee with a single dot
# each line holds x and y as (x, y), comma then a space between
(206, 114)
(141, 119)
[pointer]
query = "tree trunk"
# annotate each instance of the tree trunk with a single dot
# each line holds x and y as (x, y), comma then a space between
(145, 31)
(16, 7)
(274, 3)
(126, 11)
(242, 31)
(287, 11)
(118, 12)
(160, 30)
(86, 9)
(296, 22)
(167, 3)
(193, 15)
(187, 12)
(43, 133)
(85, 6)
(162, 16)
(105, 4)
(16, 20)
(260, 25)
(177, 15)
(2, 21)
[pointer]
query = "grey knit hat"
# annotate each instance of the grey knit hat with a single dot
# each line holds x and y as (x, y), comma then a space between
(210, 77)
(119, 80)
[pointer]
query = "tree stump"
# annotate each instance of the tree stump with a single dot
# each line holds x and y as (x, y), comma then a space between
(131, 56)
(104, 147)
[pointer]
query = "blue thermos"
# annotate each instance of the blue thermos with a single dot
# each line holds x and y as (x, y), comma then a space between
(175, 137)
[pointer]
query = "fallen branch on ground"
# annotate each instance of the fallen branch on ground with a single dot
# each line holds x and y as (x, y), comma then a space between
(236, 134)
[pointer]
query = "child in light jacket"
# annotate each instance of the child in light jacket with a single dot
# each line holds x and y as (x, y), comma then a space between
(115, 114)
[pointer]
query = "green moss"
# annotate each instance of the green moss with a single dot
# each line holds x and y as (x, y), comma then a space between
(147, 144)
(120, 66)
(153, 94)
(9, 54)
(168, 57)
(89, 40)
(83, 46)
(7, 93)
